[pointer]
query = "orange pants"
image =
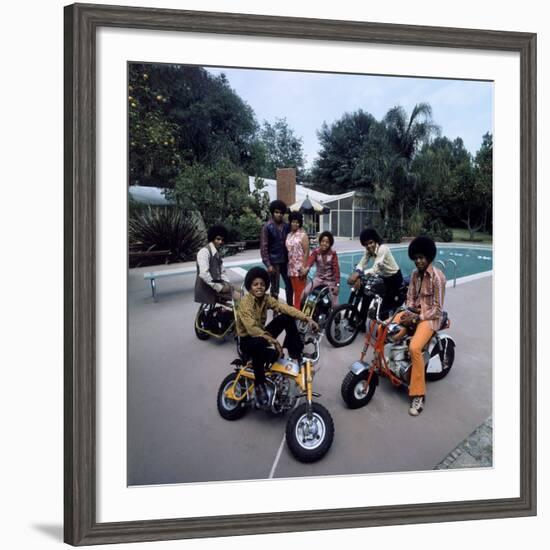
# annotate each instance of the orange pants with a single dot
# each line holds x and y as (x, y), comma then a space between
(298, 285)
(421, 337)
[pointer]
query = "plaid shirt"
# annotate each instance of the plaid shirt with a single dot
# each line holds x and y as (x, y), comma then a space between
(427, 294)
(252, 314)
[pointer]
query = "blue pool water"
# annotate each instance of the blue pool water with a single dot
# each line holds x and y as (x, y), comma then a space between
(469, 261)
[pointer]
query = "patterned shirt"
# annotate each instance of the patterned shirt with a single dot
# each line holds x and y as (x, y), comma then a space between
(384, 262)
(427, 294)
(296, 251)
(328, 270)
(252, 314)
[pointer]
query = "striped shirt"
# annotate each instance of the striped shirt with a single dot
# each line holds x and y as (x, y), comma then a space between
(252, 314)
(384, 262)
(427, 294)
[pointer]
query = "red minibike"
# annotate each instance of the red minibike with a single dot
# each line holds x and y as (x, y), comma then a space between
(391, 357)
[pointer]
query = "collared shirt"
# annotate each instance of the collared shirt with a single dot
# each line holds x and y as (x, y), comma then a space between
(384, 262)
(328, 269)
(427, 294)
(203, 261)
(252, 314)
(272, 242)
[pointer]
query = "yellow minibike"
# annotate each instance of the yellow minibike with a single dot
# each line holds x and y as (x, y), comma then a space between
(310, 428)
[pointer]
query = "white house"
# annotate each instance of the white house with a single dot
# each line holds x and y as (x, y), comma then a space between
(349, 212)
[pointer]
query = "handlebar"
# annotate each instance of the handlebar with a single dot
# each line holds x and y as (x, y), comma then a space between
(315, 339)
(398, 310)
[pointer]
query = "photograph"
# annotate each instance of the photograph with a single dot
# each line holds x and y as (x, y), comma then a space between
(300, 277)
(310, 274)
(275, 275)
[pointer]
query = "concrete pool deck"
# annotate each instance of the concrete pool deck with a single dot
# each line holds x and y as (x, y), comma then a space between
(187, 269)
(175, 434)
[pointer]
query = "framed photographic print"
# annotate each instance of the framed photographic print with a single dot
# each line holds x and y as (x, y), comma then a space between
(179, 121)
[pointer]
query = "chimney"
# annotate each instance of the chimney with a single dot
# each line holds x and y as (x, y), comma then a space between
(286, 185)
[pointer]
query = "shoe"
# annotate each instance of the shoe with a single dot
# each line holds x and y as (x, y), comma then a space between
(261, 396)
(417, 405)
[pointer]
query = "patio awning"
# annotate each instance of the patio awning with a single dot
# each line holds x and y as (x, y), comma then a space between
(309, 206)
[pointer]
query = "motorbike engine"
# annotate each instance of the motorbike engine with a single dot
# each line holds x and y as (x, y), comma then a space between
(220, 319)
(399, 361)
(323, 310)
(282, 388)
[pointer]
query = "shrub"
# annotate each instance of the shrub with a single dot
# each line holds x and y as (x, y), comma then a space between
(392, 233)
(249, 226)
(416, 222)
(167, 228)
(438, 231)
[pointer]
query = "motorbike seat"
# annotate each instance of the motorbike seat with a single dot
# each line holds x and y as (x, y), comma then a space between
(245, 358)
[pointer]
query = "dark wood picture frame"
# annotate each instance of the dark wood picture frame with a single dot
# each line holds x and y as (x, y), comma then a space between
(81, 22)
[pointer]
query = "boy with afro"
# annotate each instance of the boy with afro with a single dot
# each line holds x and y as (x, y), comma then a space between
(212, 284)
(256, 338)
(273, 249)
(425, 298)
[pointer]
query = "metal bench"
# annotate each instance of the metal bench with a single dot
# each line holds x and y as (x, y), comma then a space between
(153, 275)
(233, 248)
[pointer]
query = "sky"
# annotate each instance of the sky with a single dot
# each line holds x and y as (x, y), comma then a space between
(460, 108)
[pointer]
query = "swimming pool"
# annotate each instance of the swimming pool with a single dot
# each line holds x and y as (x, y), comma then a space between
(470, 260)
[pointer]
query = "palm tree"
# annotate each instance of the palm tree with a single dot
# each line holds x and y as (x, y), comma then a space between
(406, 136)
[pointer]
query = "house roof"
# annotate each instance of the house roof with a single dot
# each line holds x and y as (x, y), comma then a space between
(149, 195)
(301, 191)
(155, 195)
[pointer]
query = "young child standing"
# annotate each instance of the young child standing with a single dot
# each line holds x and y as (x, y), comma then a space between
(328, 269)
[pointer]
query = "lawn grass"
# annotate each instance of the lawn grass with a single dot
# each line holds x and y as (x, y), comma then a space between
(461, 234)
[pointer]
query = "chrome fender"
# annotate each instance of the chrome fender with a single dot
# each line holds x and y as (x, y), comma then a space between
(434, 363)
(358, 367)
(437, 338)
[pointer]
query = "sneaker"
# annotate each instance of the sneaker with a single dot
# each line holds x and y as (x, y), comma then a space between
(417, 404)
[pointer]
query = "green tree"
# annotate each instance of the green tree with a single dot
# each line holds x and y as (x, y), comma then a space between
(406, 135)
(484, 175)
(153, 153)
(343, 145)
(280, 148)
(220, 192)
(435, 165)
(260, 196)
(180, 115)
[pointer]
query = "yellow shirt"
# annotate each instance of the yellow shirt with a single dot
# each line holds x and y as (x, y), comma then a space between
(252, 314)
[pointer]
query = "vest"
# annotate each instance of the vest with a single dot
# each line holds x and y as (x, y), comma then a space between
(276, 243)
(205, 294)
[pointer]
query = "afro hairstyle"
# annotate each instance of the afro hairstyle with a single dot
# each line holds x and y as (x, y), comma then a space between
(328, 235)
(255, 273)
(217, 231)
(370, 235)
(423, 245)
(277, 205)
(296, 216)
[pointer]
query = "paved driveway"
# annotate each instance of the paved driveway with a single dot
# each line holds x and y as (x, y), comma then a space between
(175, 434)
